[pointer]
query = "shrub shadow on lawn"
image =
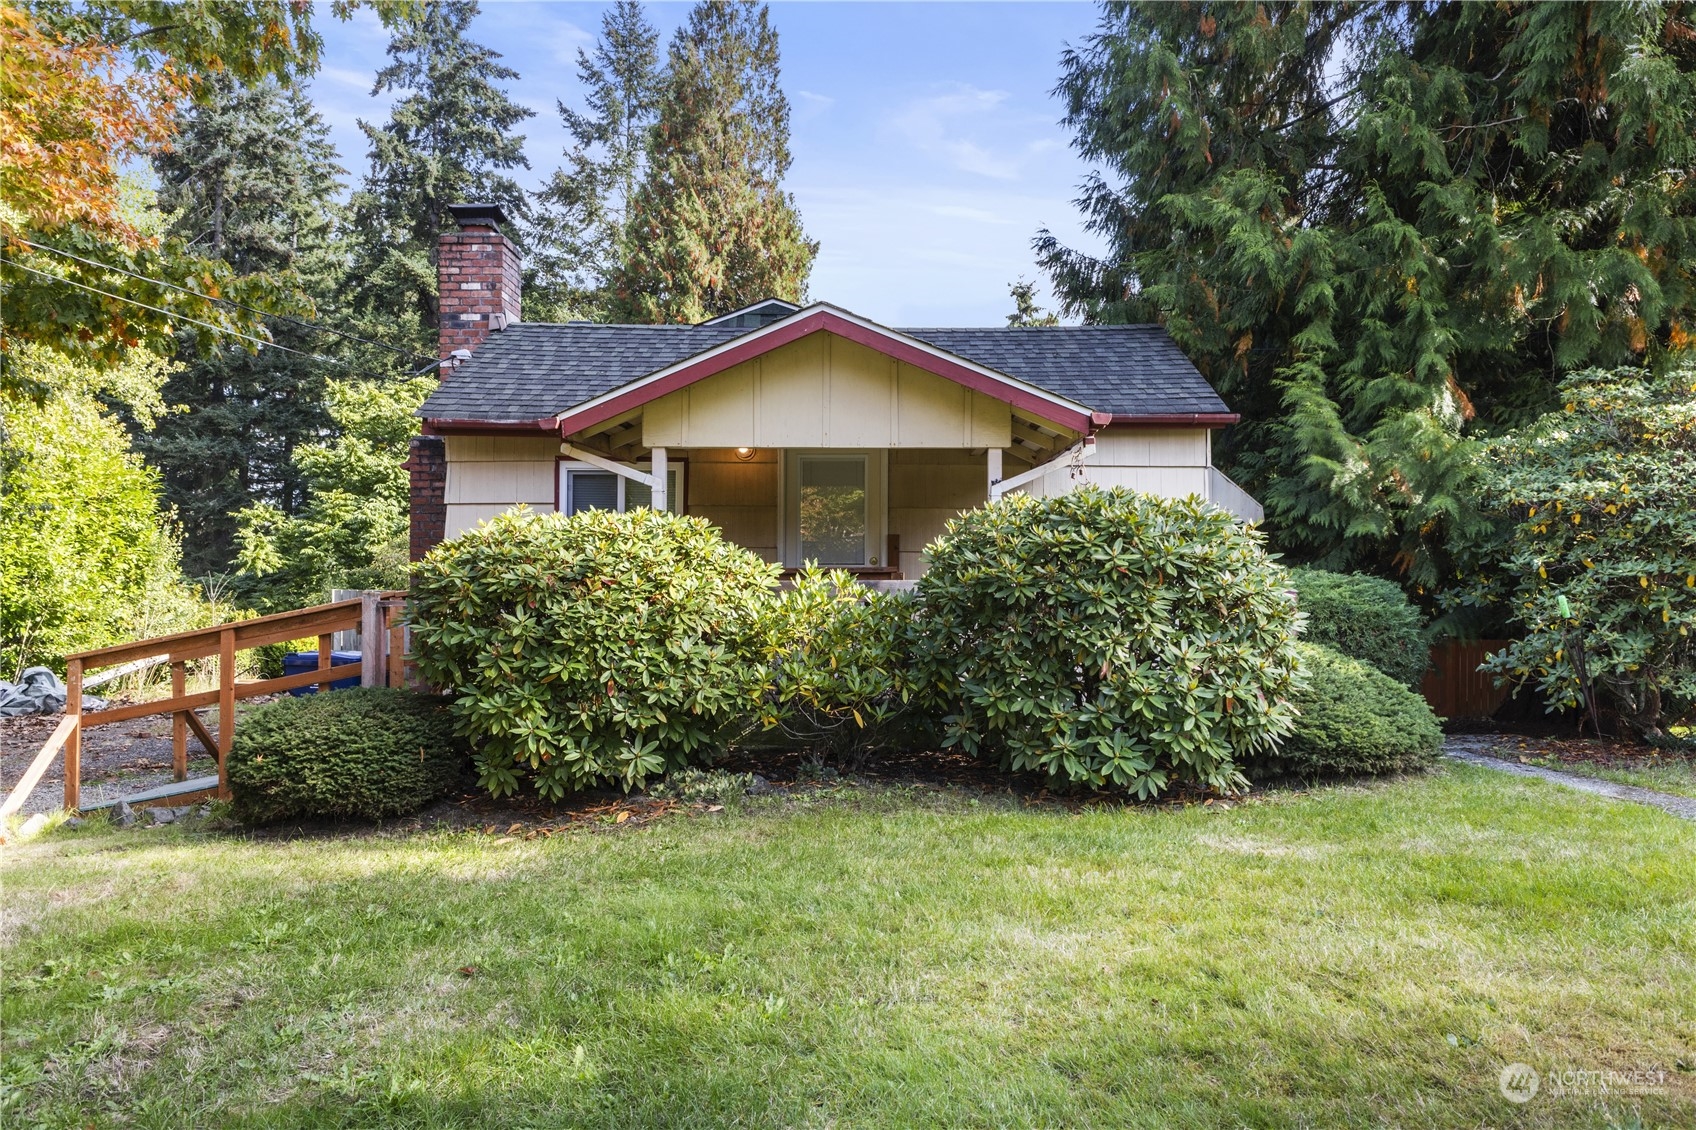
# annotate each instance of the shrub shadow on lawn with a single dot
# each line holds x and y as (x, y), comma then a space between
(781, 779)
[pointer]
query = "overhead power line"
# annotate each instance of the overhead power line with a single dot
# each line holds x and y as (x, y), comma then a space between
(214, 328)
(301, 322)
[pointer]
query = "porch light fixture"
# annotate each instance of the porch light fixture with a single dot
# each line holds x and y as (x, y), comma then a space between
(744, 453)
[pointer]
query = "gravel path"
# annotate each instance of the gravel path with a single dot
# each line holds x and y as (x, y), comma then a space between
(1465, 748)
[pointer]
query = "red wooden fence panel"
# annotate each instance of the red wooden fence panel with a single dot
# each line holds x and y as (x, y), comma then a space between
(1455, 687)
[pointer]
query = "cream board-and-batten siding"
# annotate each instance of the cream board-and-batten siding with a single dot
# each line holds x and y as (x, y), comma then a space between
(488, 475)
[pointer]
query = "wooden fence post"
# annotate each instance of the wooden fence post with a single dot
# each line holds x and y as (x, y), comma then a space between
(324, 659)
(179, 724)
(397, 645)
(226, 706)
(370, 640)
(73, 743)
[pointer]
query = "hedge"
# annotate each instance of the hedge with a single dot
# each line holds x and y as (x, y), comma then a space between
(365, 752)
(1354, 720)
(1368, 618)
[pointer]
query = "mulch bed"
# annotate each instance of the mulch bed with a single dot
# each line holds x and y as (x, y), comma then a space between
(1605, 752)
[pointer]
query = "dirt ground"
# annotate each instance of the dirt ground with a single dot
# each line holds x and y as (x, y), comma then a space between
(117, 760)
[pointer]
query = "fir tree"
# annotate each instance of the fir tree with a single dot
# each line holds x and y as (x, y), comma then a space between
(449, 140)
(711, 228)
(251, 182)
(578, 238)
(1025, 310)
(1382, 229)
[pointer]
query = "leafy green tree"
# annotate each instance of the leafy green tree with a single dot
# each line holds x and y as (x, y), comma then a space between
(578, 239)
(352, 530)
(1381, 228)
(85, 558)
(251, 182)
(1025, 310)
(1594, 560)
(710, 228)
(448, 140)
(87, 89)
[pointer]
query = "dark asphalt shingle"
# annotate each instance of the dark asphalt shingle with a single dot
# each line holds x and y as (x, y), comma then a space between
(533, 370)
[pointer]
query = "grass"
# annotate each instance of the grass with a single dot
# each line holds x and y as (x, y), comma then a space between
(870, 958)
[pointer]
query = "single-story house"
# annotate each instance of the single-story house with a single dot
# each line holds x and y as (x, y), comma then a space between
(804, 433)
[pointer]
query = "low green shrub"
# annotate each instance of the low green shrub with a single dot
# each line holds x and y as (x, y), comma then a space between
(691, 784)
(1354, 720)
(367, 752)
(1106, 638)
(594, 647)
(1365, 617)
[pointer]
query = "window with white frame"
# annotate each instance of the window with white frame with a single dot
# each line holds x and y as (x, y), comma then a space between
(834, 510)
(582, 487)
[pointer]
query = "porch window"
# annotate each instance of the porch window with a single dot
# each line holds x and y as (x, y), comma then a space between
(582, 487)
(834, 507)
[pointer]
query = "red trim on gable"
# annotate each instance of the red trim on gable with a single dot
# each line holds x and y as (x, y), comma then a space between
(824, 321)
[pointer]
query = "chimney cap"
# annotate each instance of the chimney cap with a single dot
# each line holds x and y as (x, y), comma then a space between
(478, 215)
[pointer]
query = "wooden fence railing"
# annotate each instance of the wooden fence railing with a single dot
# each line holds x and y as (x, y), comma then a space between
(382, 662)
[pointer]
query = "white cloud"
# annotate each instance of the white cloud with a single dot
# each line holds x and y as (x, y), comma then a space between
(970, 129)
(821, 101)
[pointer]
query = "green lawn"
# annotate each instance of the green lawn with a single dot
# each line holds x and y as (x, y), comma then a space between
(870, 957)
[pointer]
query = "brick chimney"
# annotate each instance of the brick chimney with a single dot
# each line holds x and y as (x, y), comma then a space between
(479, 280)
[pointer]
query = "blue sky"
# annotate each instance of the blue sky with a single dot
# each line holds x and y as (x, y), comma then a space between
(927, 146)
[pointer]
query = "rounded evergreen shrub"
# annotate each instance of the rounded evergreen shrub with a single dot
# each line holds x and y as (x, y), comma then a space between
(1368, 618)
(594, 647)
(1106, 638)
(1354, 720)
(367, 752)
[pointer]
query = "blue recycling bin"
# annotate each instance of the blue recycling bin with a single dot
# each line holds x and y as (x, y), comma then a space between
(296, 662)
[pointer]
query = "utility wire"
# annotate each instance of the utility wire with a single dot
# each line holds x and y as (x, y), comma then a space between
(208, 325)
(303, 323)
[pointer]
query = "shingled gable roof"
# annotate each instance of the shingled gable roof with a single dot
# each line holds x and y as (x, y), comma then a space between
(532, 373)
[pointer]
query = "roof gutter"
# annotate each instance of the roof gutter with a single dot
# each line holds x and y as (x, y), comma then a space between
(440, 426)
(1164, 420)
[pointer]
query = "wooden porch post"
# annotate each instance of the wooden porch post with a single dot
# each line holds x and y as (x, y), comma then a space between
(73, 743)
(993, 459)
(658, 470)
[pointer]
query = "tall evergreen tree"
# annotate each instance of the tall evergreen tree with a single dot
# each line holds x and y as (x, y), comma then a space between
(251, 181)
(1383, 228)
(577, 243)
(448, 140)
(710, 227)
